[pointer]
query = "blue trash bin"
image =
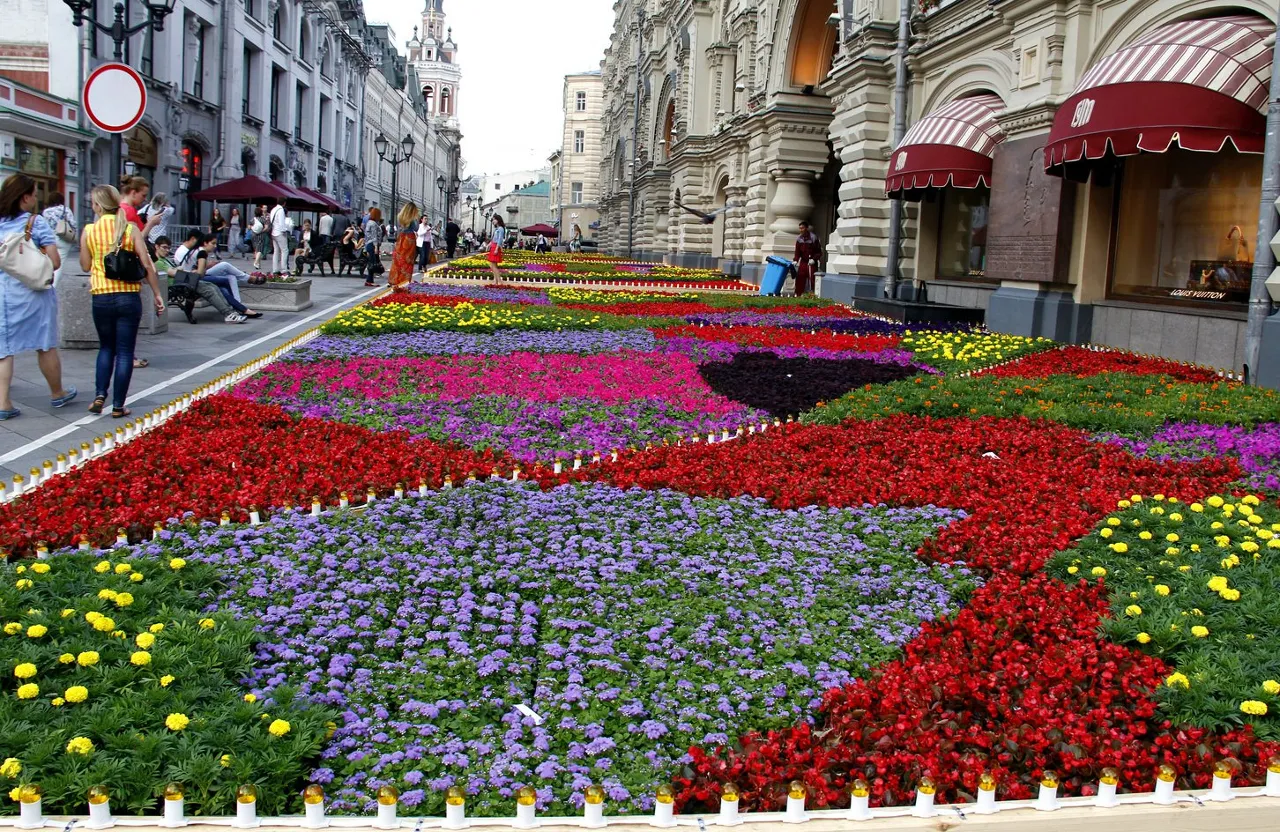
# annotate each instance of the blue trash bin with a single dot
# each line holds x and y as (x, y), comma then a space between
(775, 275)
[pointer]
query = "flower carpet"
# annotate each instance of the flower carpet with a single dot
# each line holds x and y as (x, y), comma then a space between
(489, 537)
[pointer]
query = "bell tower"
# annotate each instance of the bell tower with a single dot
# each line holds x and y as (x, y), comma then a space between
(435, 57)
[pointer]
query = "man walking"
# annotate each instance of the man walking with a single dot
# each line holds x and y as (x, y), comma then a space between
(276, 220)
(336, 232)
(325, 228)
(451, 232)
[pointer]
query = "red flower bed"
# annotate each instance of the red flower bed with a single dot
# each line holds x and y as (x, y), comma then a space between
(407, 299)
(768, 336)
(655, 308)
(226, 454)
(1080, 362)
(1017, 682)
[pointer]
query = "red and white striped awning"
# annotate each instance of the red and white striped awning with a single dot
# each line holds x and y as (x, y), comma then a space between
(1199, 83)
(953, 145)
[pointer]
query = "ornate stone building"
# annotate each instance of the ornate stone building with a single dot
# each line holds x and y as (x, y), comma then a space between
(1047, 180)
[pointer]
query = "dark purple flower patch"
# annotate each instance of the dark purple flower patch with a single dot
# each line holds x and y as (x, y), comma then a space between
(790, 386)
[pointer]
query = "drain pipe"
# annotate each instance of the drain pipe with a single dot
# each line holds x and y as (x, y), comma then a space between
(1263, 258)
(897, 205)
(225, 37)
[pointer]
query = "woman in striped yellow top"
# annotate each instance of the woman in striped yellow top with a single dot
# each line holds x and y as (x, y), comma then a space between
(117, 306)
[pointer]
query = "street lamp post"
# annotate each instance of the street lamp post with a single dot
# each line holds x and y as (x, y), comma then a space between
(398, 157)
(120, 32)
(447, 195)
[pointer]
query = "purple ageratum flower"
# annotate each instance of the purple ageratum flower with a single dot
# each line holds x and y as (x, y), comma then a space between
(1257, 449)
(421, 344)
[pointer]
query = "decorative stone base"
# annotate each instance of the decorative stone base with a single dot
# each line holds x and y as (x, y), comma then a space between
(75, 313)
(693, 261)
(278, 297)
(845, 287)
(1044, 313)
(1268, 372)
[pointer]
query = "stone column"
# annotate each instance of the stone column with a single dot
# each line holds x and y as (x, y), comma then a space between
(792, 204)
(735, 218)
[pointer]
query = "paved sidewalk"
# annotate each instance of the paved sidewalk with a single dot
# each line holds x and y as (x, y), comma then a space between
(184, 358)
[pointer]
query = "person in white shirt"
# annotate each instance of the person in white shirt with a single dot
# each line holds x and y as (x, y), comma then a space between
(426, 242)
(279, 241)
(158, 218)
(325, 229)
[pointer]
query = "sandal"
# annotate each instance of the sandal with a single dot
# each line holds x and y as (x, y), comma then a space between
(120, 412)
(140, 363)
(98, 403)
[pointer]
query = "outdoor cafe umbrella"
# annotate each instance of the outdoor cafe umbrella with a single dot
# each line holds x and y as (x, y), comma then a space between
(324, 200)
(297, 199)
(541, 228)
(245, 189)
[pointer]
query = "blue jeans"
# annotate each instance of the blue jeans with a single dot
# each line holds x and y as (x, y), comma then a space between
(116, 317)
(226, 282)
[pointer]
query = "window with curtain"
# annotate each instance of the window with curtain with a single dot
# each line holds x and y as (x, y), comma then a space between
(962, 232)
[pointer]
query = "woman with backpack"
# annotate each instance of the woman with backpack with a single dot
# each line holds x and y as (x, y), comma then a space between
(63, 222)
(28, 317)
(117, 303)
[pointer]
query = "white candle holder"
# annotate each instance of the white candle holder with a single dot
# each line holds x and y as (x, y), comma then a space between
(795, 810)
(1106, 796)
(255, 518)
(422, 487)
(100, 815)
(577, 462)
(860, 808)
(1221, 790)
(557, 467)
(30, 815)
(315, 508)
(314, 818)
(1272, 788)
(593, 815)
(526, 816)
(729, 813)
(399, 492)
(986, 803)
(246, 815)
(174, 813)
(1048, 799)
(455, 816)
(924, 805)
(1164, 792)
(387, 816)
(664, 815)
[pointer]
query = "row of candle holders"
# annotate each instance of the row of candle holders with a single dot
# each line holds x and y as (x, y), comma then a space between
(388, 798)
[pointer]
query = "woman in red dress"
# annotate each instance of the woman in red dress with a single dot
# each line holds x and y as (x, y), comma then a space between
(808, 259)
(406, 251)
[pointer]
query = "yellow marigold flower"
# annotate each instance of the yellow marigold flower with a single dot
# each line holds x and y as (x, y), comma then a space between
(177, 563)
(15, 794)
(1144, 535)
(1071, 570)
(1250, 546)
(165, 681)
(1199, 631)
(25, 583)
(1124, 504)
(1133, 594)
(1253, 520)
(1217, 583)
(1156, 510)
(1271, 686)
(1230, 594)
(36, 630)
(118, 634)
(176, 722)
(1216, 501)
(1253, 707)
(1133, 610)
(1273, 543)
(1120, 548)
(25, 670)
(250, 698)
(104, 625)
(1178, 680)
(1172, 538)
(155, 628)
(124, 599)
(207, 623)
(1176, 517)
(145, 640)
(67, 613)
(92, 616)
(225, 760)
(1186, 567)
(1137, 498)
(106, 594)
(1216, 525)
(1195, 547)
(123, 569)
(76, 693)
(1099, 571)
(29, 691)
(1113, 521)
(12, 628)
(1144, 638)
(88, 658)
(1105, 533)
(1162, 590)
(1197, 508)
(11, 767)
(141, 658)
(57, 701)
(102, 566)
(67, 658)
(1173, 550)
(1251, 500)
(136, 577)
(279, 728)
(80, 745)
(40, 568)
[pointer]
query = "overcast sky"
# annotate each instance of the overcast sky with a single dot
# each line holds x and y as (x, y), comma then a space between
(514, 56)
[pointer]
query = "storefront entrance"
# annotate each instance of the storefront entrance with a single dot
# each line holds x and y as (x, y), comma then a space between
(44, 165)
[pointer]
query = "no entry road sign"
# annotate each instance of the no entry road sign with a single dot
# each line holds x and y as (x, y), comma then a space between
(114, 98)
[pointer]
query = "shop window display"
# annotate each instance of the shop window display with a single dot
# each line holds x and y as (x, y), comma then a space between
(1185, 227)
(962, 232)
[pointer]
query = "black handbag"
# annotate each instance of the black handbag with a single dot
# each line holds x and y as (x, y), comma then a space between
(185, 282)
(122, 265)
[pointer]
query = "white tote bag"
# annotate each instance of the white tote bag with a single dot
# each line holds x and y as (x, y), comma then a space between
(23, 259)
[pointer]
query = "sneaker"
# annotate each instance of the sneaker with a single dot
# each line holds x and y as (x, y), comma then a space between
(235, 318)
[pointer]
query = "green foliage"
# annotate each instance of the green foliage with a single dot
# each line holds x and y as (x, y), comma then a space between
(1118, 402)
(156, 655)
(1196, 586)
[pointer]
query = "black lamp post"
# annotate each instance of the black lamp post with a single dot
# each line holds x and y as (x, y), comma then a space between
(120, 32)
(398, 157)
(447, 194)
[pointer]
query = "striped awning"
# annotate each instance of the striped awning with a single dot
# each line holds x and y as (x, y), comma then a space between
(1200, 84)
(952, 145)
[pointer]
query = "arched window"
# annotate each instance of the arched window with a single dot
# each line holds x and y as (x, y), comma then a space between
(429, 96)
(275, 168)
(814, 44)
(304, 41)
(446, 102)
(668, 130)
(192, 172)
(279, 23)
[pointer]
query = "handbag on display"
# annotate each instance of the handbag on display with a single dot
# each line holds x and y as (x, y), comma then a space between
(121, 264)
(23, 259)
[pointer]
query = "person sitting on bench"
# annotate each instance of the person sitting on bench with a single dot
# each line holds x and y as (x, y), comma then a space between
(304, 246)
(223, 275)
(205, 290)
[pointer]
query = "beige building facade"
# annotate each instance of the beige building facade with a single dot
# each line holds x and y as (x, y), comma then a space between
(1088, 170)
(575, 174)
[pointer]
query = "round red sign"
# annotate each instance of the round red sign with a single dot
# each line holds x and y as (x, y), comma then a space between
(114, 98)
